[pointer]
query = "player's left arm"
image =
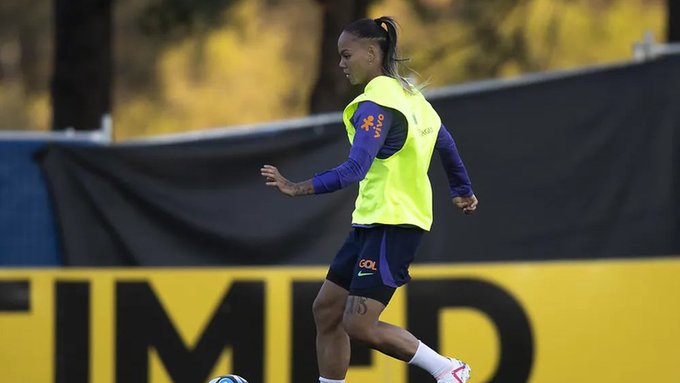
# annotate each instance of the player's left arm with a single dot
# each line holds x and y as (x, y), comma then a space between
(462, 194)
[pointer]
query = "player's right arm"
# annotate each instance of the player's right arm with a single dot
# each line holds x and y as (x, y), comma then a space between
(369, 137)
(371, 124)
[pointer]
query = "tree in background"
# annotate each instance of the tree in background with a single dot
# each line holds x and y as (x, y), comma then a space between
(483, 20)
(673, 21)
(172, 20)
(180, 65)
(25, 27)
(81, 84)
(494, 29)
(332, 90)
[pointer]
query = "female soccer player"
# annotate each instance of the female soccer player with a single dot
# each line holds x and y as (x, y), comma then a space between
(393, 131)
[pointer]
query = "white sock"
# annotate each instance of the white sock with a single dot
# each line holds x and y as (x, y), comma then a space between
(324, 380)
(430, 361)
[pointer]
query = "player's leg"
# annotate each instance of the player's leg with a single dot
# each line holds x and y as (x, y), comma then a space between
(384, 258)
(361, 321)
(332, 342)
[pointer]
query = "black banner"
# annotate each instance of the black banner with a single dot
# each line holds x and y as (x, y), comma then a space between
(584, 166)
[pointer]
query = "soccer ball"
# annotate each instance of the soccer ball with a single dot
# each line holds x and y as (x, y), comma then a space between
(228, 379)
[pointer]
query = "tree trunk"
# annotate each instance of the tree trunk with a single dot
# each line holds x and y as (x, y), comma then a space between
(673, 21)
(81, 82)
(332, 90)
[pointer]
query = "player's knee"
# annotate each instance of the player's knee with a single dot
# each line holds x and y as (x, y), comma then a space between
(320, 311)
(326, 314)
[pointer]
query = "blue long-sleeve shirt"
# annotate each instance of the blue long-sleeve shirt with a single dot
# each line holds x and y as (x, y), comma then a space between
(370, 143)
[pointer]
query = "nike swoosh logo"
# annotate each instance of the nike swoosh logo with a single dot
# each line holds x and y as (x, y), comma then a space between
(363, 274)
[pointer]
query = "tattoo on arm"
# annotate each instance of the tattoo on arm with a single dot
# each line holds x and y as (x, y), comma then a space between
(303, 188)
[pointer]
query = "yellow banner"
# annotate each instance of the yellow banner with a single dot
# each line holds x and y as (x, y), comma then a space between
(557, 322)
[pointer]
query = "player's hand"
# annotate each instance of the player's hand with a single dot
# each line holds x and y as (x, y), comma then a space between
(274, 178)
(467, 204)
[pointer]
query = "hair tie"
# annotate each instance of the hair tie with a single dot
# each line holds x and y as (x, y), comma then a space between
(381, 24)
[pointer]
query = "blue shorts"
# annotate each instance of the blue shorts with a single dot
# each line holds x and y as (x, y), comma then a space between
(374, 261)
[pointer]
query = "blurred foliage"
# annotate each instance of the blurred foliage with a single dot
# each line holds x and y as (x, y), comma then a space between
(254, 68)
(529, 36)
(180, 66)
(25, 58)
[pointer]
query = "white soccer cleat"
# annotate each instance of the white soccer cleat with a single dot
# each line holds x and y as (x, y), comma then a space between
(459, 373)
